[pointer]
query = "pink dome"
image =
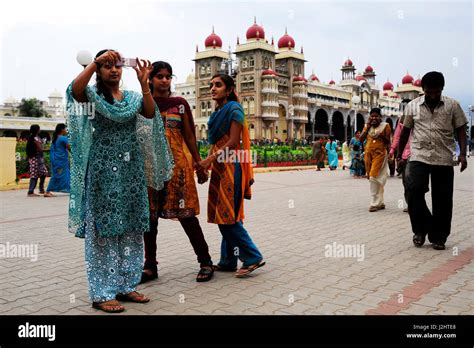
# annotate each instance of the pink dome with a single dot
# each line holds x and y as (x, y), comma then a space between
(332, 82)
(369, 69)
(360, 78)
(213, 40)
(407, 79)
(387, 86)
(385, 94)
(417, 83)
(313, 77)
(286, 41)
(255, 31)
(348, 62)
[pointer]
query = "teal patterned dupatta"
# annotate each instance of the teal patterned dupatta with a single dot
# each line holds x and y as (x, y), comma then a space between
(155, 151)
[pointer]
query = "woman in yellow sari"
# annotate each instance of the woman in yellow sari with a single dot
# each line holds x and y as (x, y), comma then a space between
(376, 156)
(231, 178)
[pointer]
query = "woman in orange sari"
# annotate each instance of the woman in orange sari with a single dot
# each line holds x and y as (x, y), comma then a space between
(376, 156)
(231, 178)
(179, 199)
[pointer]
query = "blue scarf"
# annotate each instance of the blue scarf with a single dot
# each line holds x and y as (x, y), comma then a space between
(220, 120)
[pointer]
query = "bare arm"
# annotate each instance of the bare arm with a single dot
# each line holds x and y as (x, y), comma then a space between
(39, 147)
(148, 110)
(364, 133)
(81, 81)
(462, 138)
(143, 70)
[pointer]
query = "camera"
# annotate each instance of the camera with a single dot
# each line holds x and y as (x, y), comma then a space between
(129, 62)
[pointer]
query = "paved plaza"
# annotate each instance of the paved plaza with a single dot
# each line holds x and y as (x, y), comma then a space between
(325, 254)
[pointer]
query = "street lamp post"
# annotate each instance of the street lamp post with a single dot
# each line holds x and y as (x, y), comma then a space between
(355, 102)
(228, 63)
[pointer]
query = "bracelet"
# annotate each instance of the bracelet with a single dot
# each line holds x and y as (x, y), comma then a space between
(147, 92)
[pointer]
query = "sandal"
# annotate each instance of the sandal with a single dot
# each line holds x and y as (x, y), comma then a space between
(133, 296)
(245, 271)
(205, 274)
(49, 194)
(373, 208)
(223, 269)
(146, 277)
(111, 306)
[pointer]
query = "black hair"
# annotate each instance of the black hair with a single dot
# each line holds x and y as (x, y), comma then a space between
(99, 83)
(376, 110)
(30, 145)
(432, 79)
(355, 147)
(59, 128)
(157, 66)
(229, 84)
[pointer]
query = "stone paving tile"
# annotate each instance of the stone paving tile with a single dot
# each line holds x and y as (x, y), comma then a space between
(298, 279)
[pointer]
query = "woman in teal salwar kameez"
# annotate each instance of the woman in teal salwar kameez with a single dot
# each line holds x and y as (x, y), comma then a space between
(331, 149)
(116, 152)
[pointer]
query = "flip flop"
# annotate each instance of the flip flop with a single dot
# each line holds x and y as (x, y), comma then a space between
(111, 306)
(243, 272)
(133, 296)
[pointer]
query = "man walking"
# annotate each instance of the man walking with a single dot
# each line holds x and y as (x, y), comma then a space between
(435, 119)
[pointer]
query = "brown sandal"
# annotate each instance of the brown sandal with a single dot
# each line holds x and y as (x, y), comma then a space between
(245, 271)
(111, 306)
(133, 296)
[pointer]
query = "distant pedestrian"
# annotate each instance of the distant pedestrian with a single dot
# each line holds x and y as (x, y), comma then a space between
(376, 152)
(59, 158)
(318, 154)
(331, 149)
(38, 169)
(346, 154)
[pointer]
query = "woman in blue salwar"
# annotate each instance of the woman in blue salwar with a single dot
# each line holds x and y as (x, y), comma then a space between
(117, 150)
(331, 149)
(59, 158)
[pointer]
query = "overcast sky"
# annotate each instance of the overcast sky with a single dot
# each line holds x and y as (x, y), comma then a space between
(39, 39)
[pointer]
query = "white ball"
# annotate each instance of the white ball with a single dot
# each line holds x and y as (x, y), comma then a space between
(84, 58)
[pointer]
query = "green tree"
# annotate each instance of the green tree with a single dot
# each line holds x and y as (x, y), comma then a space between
(32, 108)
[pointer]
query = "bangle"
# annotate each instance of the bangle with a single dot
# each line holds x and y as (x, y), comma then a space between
(147, 92)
